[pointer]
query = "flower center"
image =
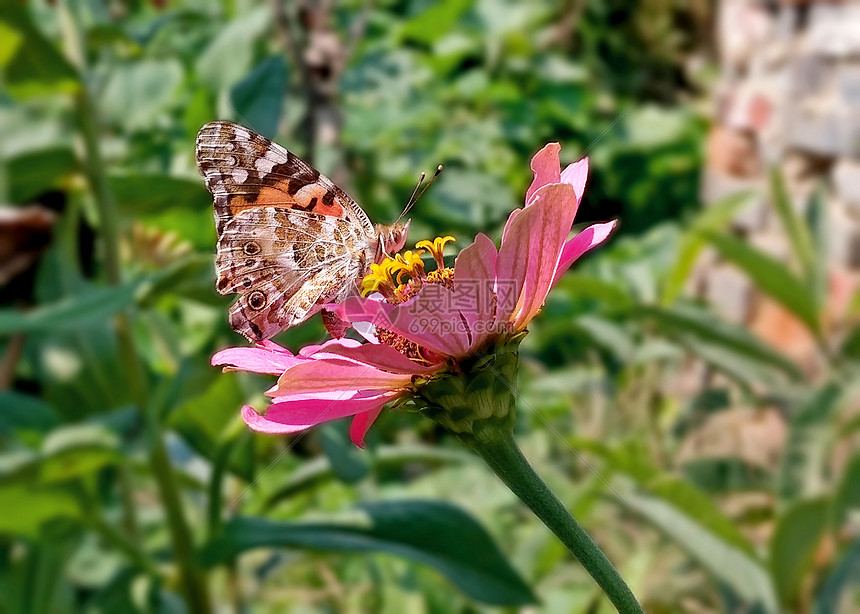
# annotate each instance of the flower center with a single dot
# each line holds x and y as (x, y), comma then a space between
(401, 277)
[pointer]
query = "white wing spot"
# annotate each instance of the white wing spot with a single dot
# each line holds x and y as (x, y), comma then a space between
(240, 175)
(264, 165)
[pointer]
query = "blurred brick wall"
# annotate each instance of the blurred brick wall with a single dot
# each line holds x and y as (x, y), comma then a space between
(788, 96)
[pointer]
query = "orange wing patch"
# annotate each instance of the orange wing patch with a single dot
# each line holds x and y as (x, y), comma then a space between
(243, 170)
(312, 198)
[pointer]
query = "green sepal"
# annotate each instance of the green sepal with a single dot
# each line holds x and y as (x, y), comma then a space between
(478, 400)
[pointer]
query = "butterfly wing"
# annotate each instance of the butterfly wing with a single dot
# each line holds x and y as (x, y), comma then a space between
(244, 170)
(289, 239)
(284, 264)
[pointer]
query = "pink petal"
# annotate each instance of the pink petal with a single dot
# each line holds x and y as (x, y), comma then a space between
(317, 376)
(576, 175)
(530, 253)
(430, 319)
(545, 165)
(366, 330)
(510, 222)
(476, 262)
(380, 356)
(271, 345)
(590, 237)
(310, 350)
(433, 319)
(293, 415)
(474, 283)
(360, 425)
(255, 359)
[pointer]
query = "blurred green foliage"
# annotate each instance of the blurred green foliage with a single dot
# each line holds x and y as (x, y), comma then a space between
(127, 480)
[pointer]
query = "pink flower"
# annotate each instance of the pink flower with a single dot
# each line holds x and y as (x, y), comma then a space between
(445, 316)
(325, 382)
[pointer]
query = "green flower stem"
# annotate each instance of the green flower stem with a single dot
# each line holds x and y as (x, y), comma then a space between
(477, 403)
(504, 457)
(193, 578)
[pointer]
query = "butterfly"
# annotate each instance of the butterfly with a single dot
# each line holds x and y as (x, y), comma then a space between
(289, 239)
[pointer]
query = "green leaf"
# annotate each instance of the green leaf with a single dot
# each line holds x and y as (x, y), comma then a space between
(633, 459)
(67, 452)
(117, 594)
(846, 573)
(92, 307)
(202, 418)
(846, 501)
(725, 345)
(581, 286)
(18, 466)
(349, 463)
(771, 277)
(726, 475)
(34, 172)
(23, 412)
(430, 532)
(74, 451)
(319, 470)
(190, 276)
(817, 219)
(10, 40)
(137, 94)
(36, 67)
(810, 431)
(27, 507)
(793, 544)
(696, 504)
(608, 335)
(193, 224)
(850, 346)
(145, 194)
(723, 560)
(469, 198)
(795, 228)
(715, 217)
(436, 21)
(34, 580)
(630, 457)
(199, 109)
(228, 57)
(259, 97)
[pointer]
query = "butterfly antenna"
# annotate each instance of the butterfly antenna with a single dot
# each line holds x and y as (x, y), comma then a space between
(414, 199)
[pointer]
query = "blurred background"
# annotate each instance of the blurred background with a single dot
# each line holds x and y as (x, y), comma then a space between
(689, 390)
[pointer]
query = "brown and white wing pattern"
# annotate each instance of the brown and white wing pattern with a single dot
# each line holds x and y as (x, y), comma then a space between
(289, 239)
(285, 263)
(244, 170)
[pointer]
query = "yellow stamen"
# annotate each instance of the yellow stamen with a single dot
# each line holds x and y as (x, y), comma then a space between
(436, 249)
(379, 279)
(443, 277)
(409, 263)
(400, 277)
